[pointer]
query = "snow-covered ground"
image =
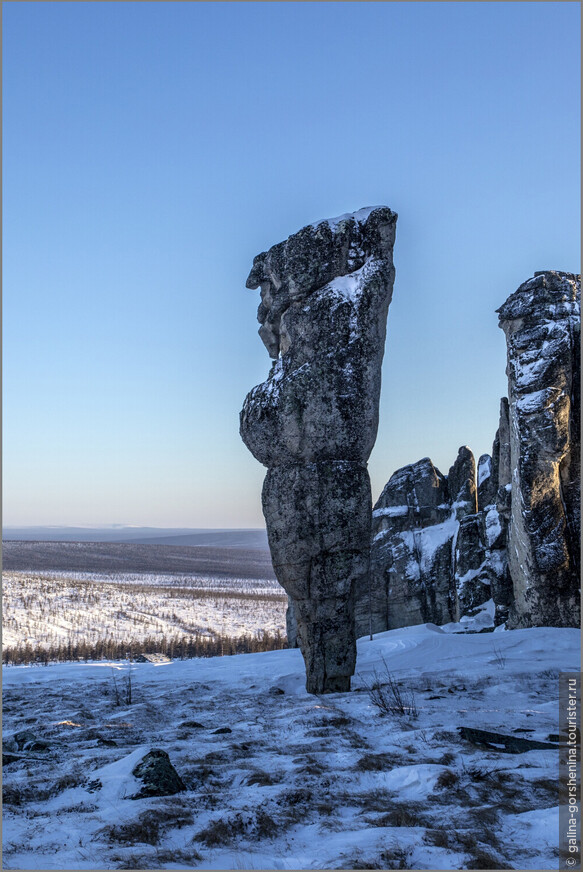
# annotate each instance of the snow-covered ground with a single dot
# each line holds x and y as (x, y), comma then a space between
(295, 781)
(51, 607)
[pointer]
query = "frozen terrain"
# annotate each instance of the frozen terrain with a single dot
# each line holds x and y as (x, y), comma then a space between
(277, 778)
(48, 608)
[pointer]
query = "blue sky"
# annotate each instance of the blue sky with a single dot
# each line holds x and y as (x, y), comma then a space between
(152, 149)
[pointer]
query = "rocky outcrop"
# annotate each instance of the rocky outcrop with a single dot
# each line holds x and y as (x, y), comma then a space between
(325, 293)
(439, 542)
(442, 546)
(541, 321)
(461, 484)
(416, 526)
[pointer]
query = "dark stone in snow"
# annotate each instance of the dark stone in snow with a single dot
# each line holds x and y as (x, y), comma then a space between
(223, 730)
(158, 775)
(102, 740)
(8, 757)
(500, 742)
(24, 740)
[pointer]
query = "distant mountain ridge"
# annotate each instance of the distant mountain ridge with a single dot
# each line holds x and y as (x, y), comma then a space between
(130, 557)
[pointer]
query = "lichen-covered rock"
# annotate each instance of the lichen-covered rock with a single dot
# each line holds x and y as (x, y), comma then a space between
(541, 321)
(319, 517)
(291, 624)
(501, 460)
(320, 400)
(325, 294)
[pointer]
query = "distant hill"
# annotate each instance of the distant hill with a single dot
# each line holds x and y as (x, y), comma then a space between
(210, 538)
(96, 557)
(254, 539)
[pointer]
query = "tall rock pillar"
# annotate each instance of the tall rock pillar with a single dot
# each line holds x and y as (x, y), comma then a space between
(325, 294)
(542, 324)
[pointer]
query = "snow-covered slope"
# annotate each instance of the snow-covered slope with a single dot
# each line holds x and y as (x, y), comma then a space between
(298, 781)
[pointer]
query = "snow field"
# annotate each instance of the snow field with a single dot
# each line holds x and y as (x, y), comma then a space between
(300, 781)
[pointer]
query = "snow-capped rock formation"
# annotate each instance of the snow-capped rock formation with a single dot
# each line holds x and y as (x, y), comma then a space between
(542, 324)
(325, 293)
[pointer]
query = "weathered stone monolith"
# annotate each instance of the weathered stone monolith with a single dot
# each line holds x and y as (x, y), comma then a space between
(325, 294)
(542, 323)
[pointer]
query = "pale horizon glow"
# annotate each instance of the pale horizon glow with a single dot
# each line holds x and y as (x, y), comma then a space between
(151, 150)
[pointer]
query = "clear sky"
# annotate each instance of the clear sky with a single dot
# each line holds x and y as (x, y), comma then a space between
(152, 149)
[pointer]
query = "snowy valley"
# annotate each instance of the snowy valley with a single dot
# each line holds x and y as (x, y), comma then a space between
(90, 611)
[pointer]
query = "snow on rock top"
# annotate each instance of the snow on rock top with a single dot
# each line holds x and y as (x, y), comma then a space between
(558, 293)
(360, 216)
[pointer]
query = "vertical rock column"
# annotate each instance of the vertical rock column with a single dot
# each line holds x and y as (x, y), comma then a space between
(494, 498)
(542, 324)
(325, 294)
